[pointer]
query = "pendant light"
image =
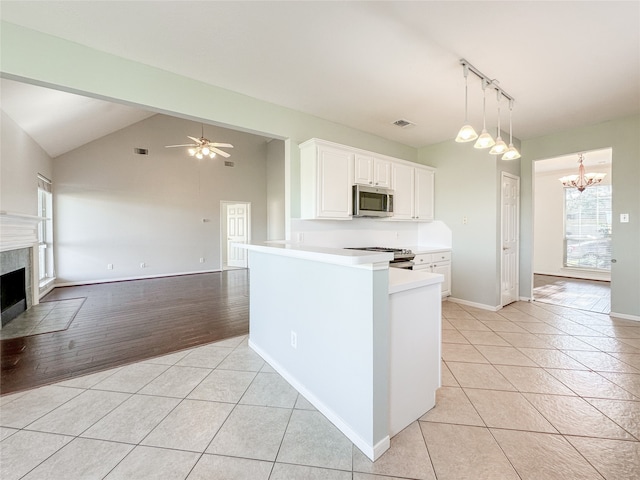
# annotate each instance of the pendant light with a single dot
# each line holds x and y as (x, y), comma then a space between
(467, 132)
(500, 147)
(511, 153)
(485, 140)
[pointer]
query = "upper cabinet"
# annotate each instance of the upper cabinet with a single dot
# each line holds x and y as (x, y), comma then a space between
(413, 193)
(328, 172)
(371, 170)
(325, 181)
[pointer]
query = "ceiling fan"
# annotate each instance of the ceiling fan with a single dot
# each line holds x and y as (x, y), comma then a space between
(204, 147)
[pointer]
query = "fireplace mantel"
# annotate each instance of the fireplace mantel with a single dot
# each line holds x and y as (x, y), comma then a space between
(18, 230)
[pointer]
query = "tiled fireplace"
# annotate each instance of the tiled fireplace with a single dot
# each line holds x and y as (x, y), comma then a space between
(18, 264)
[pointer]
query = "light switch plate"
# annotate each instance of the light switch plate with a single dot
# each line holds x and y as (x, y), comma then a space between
(624, 218)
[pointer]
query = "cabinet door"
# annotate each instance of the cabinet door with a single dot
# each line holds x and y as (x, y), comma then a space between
(424, 194)
(334, 183)
(363, 169)
(381, 173)
(403, 191)
(444, 269)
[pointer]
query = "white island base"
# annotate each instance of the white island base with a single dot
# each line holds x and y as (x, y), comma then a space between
(359, 340)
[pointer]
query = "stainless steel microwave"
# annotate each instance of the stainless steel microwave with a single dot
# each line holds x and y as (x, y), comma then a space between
(372, 201)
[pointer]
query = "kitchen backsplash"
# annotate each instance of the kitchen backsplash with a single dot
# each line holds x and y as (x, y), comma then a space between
(366, 232)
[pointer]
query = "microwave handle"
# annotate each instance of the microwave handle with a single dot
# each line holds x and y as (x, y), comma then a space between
(390, 204)
(356, 200)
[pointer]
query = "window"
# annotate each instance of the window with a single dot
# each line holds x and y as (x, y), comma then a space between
(45, 230)
(588, 227)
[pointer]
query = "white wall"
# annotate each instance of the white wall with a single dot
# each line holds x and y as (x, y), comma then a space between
(548, 235)
(21, 160)
(115, 207)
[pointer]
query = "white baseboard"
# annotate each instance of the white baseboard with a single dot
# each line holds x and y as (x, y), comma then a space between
(481, 306)
(373, 452)
(125, 279)
(526, 299)
(625, 316)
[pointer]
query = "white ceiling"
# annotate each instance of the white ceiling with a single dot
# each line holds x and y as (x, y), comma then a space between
(367, 64)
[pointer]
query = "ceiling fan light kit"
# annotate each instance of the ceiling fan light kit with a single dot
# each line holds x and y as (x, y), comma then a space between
(203, 147)
(485, 140)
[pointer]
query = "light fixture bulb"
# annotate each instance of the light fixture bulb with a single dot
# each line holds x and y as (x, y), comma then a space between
(511, 153)
(211, 154)
(499, 147)
(485, 140)
(199, 156)
(466, 134)
(192, 151)
(205, 151)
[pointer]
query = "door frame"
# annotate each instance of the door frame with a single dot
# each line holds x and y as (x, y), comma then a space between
(223, 228)
(517, 262)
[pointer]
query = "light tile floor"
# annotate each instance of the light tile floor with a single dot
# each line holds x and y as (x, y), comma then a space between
(531, 392)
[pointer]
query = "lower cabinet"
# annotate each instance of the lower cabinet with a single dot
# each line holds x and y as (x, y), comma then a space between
(437, 262)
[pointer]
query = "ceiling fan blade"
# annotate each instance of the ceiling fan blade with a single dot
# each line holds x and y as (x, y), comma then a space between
(225, 145)
(197, 140)
(185, 145)
(219, 152)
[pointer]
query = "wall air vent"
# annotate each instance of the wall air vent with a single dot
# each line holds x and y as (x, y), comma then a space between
(141, 151)
(227, 163)
(402, 123)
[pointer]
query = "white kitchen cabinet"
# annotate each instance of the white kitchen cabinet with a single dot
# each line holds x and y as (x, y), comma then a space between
(371, 170)
(326, 173)
(436, 262)
(413, 193)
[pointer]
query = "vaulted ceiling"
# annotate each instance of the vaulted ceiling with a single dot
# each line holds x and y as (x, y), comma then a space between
(366, 64)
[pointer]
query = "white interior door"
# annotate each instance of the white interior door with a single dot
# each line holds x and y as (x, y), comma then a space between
(237, 220)
(510, 238)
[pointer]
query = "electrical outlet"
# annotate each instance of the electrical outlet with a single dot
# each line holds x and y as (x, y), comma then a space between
(142, 264)
(465, 220)
(201, 260)
(300, 237)
(109, 266)
(294, 339)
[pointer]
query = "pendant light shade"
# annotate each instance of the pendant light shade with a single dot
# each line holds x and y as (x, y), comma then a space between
(511, 153)
(467, 133)
(485, 140)
(499, 147)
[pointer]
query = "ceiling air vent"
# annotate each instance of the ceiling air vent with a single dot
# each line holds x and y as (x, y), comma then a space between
(402, 123)
(227, 163)
(141, 151)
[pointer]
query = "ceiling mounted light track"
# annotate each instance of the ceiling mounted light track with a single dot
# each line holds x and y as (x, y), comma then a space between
(485, 140)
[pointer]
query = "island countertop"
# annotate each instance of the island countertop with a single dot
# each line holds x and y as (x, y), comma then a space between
(337, 256)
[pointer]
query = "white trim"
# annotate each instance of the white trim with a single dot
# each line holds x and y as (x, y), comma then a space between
(474, 304)
(126, 279)
(373, 452)
(625, 316)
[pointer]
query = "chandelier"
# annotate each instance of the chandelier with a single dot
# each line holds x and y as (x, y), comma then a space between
(582, 180)
(467, 133)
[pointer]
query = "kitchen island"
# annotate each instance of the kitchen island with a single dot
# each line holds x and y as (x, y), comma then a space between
(359, 340)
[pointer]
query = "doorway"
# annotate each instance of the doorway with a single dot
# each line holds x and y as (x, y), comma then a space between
(572, 232)
(236, 228)
(510, 238)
